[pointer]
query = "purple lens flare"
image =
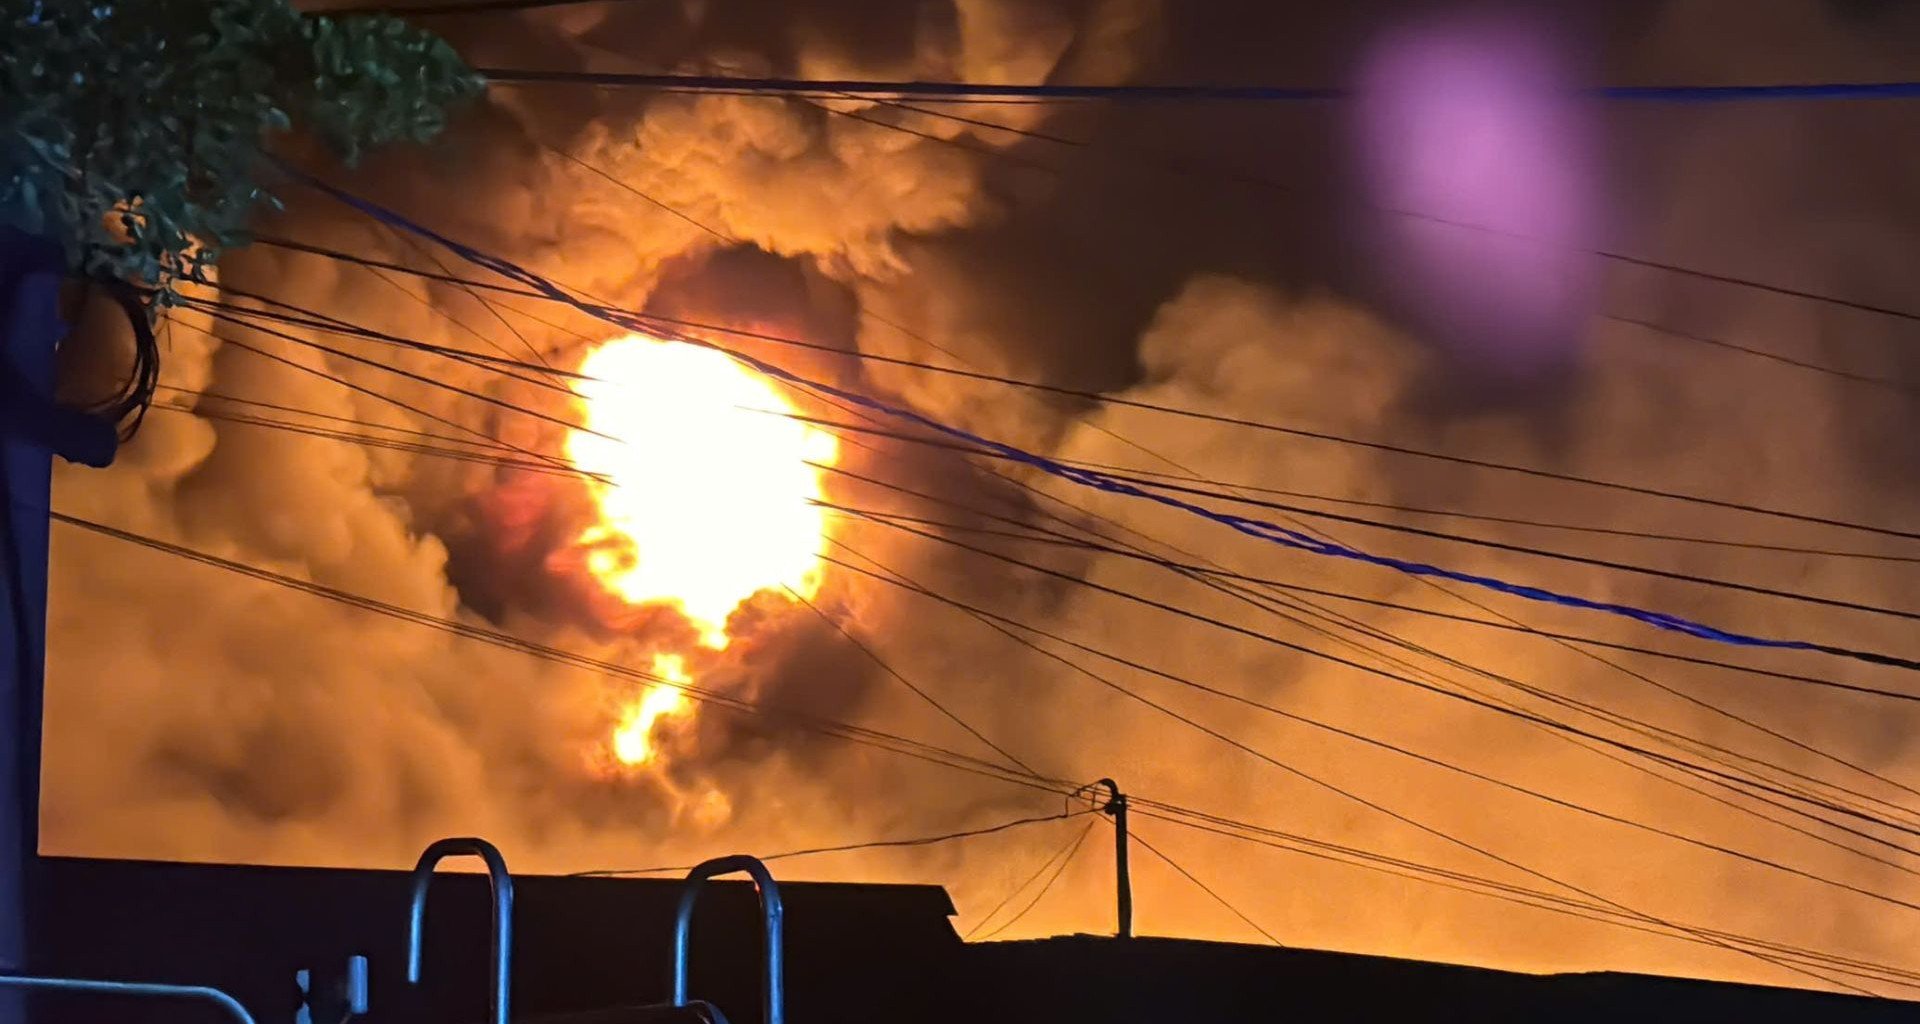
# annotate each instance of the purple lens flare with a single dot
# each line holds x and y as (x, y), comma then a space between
(1481, 164)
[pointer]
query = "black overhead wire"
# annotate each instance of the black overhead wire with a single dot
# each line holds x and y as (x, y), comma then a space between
(1065, 858)
(364, 440)
(1897, 387)
(425, 437)
(1195, 414)
(1696, 790)
(470, 631)
(1575, 915)
(919, 691)
(451, 7)
(1824, 821)
(1506, 892)
(1133, 835)
(1594, 748)
(853, 733)
(971, 730)
(1509, 625)
(1611, 717)
(636, 191)
(376, 395)
(1870, 656)
(969, 92)
(1618, 719)
(1059, 538)
(1165, 163)
(1522, 549)
(434, 309)
(994, 912)
(509, 464)
(1748, 794)
(1253, 634)
(288, 314)
(1483, 517)
(995, 620)
(1152, 478)
(872, 844)
(417, 378)
(421, 250)
(1284, 585)
(896, 578)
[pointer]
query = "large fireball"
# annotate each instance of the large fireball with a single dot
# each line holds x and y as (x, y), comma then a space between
(710, 484)
(706, 495)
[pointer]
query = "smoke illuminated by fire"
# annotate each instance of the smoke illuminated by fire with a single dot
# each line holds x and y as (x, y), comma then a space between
(706, 496)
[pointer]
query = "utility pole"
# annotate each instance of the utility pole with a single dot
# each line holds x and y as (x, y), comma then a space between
(1116, 806)
(29, 326)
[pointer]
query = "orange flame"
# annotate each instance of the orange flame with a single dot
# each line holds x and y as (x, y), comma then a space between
(633, 736)
(706, 497)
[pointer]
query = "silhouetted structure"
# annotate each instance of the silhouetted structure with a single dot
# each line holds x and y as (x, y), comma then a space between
(856, 954)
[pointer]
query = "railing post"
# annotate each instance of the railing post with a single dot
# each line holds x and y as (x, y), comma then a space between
(502, 938)
(773, 997)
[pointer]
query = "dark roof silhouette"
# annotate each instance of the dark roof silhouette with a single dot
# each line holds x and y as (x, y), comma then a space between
(586, 947)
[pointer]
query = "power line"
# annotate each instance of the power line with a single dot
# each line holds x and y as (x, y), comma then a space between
(1153, 479)
(1643, 728)
(994, 619)
(1185, 167)
(1257, 529)
(1628, 722)
(369, 392)
(1479, 702)
(970, 91)
(897, 578)
(1713, 798)
(875, 844)
(918, 691)
(1764, 286)
(1709, 796)
(455, 7)
(1133, 835)
(1775, 821)
(424, 435)
(1521, 549)
(1212, 571)
(1564, 556)
(1101, 398)
(854, 733)
(470, 631)
(1483, 517)
(1717, 798)
(1553, 903)
(635, 191)
(1901, 388)
(1018, 889)
(1045, 887)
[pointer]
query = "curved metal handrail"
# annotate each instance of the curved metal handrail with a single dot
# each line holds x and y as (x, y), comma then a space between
(773, 997)
(132, 988)
(502, 884)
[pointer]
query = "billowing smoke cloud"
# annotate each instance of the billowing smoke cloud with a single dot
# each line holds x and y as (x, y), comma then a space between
(193, 714)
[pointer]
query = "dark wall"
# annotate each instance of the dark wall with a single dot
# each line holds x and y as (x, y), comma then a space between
(26, 366)
(856, 954)
(1153, 981)
(580, 943)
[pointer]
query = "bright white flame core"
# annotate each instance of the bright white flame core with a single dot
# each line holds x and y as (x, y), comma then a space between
(710, 485)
